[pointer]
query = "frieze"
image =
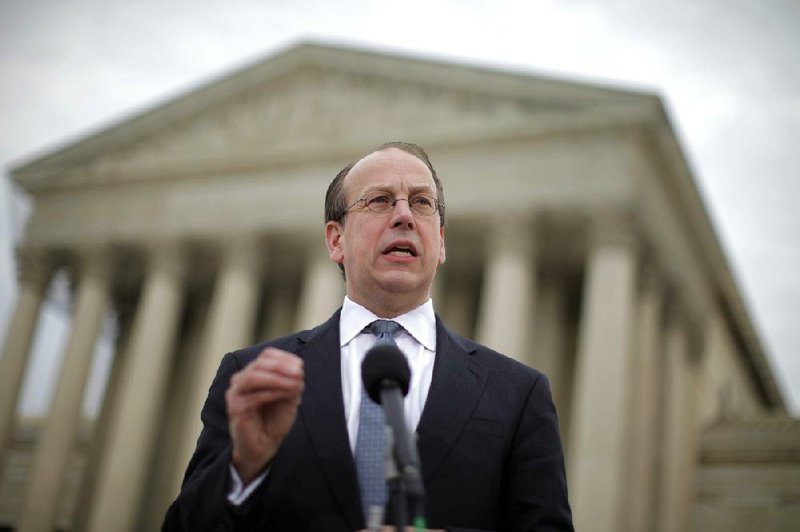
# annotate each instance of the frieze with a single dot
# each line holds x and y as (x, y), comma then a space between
(309, 107)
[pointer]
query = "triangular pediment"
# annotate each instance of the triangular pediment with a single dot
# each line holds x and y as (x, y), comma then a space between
(312, 98)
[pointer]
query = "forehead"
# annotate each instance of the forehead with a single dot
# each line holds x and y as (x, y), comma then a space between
(390, 169)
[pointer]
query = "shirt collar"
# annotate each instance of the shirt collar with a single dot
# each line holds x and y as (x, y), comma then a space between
(419, 322)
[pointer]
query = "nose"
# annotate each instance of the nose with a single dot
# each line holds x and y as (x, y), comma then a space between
(402, 215)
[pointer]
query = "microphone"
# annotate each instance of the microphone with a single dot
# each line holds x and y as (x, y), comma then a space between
(385, 363)
(386, 376)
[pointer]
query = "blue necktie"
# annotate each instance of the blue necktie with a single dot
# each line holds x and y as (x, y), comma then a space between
(371, 439)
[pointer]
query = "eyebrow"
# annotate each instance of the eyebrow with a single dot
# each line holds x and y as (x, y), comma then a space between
(412, 190)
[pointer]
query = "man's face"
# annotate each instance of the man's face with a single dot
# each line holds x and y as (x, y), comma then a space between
(390, 259)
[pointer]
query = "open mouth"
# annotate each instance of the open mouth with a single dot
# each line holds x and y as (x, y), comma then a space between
(401, 250)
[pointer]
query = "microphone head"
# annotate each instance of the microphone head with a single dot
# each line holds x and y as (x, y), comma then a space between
(384, 362)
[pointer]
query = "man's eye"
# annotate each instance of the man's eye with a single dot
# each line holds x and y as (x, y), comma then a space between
(422, 200)
(380, 199)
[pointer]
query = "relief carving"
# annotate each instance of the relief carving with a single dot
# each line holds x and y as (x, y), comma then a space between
(306, 107)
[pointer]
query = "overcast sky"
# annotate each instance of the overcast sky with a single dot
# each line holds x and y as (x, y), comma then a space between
(727, 69)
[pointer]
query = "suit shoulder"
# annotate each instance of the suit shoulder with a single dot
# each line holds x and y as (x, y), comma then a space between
(244, 355)
(499, 362)
(291, 342)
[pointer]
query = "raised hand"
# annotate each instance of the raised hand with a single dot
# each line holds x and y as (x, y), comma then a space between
(262, 402)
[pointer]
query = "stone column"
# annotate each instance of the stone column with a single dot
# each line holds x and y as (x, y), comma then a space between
(230, 326)
(506, 316)
(678, 442)
(123, 473)
(58, 434)
(458, 301)
(35, 273)
(602, 379)
(322, 289)
(550, 355)
(99, 445)
(280, 313)
(644, 407)
(168, 467)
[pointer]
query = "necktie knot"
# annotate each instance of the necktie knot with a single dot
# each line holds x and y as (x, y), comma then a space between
(385, 330)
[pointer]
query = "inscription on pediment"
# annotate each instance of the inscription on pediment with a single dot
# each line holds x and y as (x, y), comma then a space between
(308, 107)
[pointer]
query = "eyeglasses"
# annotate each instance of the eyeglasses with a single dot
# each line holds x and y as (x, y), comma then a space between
(383, 203)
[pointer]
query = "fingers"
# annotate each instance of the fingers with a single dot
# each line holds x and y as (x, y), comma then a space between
(274, 375)
(255, 399)
(272, 368)
(257, 379)
(284, 361)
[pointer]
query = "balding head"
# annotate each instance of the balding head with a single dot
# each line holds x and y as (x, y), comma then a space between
(336, 201)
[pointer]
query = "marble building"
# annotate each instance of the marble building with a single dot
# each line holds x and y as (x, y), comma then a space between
(577, 243)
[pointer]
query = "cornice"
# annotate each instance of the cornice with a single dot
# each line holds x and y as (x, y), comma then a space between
(774, 439)
(424, 90)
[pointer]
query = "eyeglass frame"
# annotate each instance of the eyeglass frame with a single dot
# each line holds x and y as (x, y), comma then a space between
(437, 205)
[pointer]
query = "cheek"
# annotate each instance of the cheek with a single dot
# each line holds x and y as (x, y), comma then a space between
(359, 244)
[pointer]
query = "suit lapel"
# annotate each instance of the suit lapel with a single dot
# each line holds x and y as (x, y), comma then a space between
(457, 384)
(322, 412)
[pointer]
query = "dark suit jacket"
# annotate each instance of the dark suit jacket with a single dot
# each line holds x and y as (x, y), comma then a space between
(488, 441)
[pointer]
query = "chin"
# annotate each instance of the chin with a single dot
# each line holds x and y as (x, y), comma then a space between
(401, 282)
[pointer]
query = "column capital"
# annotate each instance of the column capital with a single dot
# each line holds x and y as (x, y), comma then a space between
(34, 266)
(651, 278)
(515, 231)
(169, 255)
(694, 325)
(94, 260)
(509, 218)
(613, 228)
(241, 249)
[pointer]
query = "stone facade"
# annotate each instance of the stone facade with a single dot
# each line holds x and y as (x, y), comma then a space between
(577, 243)
(748, 475)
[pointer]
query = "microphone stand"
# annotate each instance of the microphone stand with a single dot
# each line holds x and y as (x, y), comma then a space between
(397, 497)
(416, 495)
(402, 463)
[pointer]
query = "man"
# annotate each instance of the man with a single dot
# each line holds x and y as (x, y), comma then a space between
(487, 430)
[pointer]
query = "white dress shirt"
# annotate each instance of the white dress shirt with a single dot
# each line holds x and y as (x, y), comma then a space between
(416, 340)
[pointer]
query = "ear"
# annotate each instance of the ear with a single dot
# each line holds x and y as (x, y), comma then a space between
(442, 254)
(334, 238)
